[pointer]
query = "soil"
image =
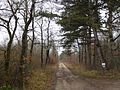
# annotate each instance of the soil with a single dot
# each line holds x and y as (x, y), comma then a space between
(67, 81)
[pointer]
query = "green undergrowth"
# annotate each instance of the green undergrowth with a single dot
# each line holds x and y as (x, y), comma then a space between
(6, 87)
(41, 78)
(81, 70)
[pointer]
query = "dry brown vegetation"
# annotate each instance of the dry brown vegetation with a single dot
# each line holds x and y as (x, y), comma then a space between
(35, 76)
(83, 71)
(42, 79)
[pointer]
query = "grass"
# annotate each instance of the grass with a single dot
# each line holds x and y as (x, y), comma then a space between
(41, 78)
(6, 88)
(81, 70)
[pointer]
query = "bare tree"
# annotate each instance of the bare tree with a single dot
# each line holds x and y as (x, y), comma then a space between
(28, 20)
(42, 46)
(33, 34)
(13, 8)
(48, 42)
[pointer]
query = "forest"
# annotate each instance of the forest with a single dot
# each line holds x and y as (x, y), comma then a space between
(38, 38)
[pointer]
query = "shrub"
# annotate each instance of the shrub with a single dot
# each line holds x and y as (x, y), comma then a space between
(8, 87)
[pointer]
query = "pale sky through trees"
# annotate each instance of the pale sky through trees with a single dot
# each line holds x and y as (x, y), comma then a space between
(54, 28)
(50, 7)
(46, 44)
(55, 8)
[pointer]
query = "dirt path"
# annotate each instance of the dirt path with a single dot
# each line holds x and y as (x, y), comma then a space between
(67, 81)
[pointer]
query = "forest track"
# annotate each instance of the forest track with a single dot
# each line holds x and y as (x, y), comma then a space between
(67, 81)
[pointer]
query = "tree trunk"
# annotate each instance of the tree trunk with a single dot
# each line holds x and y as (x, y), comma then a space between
(8, 51)
(7, 61)
(23, 57)
(99, 49)
(95, 56)
(33, 37)
(79, 56)
(111, 42)
(48, 43)
(89, 47)
(82, 55)
(85, 41)
(97, 42)
(41, 43)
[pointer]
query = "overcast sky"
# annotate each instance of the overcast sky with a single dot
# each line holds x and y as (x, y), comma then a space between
(53, 26)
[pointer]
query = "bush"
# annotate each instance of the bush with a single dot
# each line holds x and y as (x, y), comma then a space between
(8, 87)
(92, 73)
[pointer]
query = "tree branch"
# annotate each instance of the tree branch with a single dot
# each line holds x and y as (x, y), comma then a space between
(116, 37)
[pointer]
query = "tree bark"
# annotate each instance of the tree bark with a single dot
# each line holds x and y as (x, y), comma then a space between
(23, 57)
(48, 43)
(33, 36)
(79, 55)
(8, 51)
(111, 42)
(99, 49)
(41, 43)
(89, 47)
